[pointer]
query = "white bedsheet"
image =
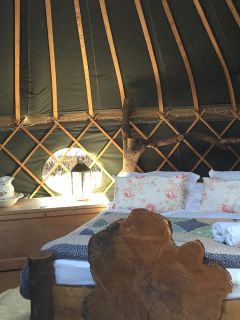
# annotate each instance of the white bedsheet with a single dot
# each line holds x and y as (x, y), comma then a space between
(191, 214)
(75, 272)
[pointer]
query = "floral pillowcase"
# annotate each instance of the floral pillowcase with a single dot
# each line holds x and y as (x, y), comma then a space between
(153, 193)
(220, 195)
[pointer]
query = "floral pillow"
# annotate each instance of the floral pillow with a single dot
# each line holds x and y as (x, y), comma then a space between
(224, 175)
(220, 195)
(190, 184)
(152, 193)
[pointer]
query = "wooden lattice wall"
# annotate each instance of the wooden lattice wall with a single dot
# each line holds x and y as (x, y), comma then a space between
(162, 117)
(192, 121)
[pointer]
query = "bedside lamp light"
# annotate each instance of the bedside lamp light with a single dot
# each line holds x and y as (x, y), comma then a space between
(81, 181)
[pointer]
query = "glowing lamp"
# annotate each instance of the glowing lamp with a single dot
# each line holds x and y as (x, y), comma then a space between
(81, 181)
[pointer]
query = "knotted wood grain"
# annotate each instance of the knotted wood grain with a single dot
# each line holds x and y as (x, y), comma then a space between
(141, 274)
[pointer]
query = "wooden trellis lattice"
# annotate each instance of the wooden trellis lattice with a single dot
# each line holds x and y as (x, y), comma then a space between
(160, 114)
(93, 121)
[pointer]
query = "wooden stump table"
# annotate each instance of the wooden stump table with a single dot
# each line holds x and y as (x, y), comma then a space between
(141, 274)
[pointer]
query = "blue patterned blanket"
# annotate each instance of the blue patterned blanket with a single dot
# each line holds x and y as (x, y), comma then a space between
(75, 244)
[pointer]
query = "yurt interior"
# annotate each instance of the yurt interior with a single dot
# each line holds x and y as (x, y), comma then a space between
(119, 159)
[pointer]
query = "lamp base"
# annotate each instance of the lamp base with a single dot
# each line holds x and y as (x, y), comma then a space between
(81, 199)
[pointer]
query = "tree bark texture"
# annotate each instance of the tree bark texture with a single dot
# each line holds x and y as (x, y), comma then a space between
(133, 148)
(141, 274)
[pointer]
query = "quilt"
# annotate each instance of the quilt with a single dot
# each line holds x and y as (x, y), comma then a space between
(75, 244)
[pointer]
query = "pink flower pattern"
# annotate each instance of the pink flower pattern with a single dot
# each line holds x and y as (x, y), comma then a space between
(226, 208)
(151, 207)
(170, 194)
(128, 193)
(220, 195)
(153, 193)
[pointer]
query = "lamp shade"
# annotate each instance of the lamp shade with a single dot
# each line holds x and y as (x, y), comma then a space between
(81, 181)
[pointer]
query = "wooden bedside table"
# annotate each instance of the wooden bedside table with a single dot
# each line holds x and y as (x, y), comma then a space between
(30, 223)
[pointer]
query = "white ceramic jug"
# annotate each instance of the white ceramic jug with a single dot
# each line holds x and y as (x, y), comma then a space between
(6, 188)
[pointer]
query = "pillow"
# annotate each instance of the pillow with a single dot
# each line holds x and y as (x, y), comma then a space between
(190, 182)
(192, 177)
(220, 195)
(192, 201)
(150, 192)
(224, 175)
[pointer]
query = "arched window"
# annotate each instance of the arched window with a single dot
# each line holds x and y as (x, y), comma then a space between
(58, 178)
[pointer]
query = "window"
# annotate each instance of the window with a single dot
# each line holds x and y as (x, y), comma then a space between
(58, 178)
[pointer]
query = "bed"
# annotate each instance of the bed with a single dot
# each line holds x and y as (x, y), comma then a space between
(70, 253)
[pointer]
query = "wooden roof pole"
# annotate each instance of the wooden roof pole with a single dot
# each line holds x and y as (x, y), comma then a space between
(52, 57)
(84, 55)
(218, 52)
(112, 49)
(17, 61)
(234, 11)
(183, 54)
(151, 54)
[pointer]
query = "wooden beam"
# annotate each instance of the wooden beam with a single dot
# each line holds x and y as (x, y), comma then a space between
(106, 147)
(185, 141)
(112, 49)
(216, 113)
(218, 52)
(107, 135)
(17, 61)
(32, 175)
(11, 135)
(230, 124)
(41, 145)
(183, 54)
(84, 55)
(151, 54)
(34, 150)
(234, 11)
(52, 57)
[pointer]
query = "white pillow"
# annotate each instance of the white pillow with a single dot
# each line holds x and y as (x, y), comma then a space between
(190, 183)
(192, 202)
(150, 192)
(224, 175)
(220, 195)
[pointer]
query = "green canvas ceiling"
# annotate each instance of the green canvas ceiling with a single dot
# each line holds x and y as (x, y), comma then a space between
(131, 50)
(165, 55)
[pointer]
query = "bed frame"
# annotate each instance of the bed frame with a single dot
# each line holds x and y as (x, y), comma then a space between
(50, 301)
(160, 275)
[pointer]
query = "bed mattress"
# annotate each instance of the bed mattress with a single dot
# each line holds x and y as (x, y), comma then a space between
(75, 272)
(187, 226)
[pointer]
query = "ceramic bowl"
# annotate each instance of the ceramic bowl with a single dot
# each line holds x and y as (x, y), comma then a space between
(4, 203)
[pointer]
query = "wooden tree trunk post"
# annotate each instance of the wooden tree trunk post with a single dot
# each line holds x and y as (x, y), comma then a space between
(141, 274)
(134, 147)
(41, 279)
(131, 155)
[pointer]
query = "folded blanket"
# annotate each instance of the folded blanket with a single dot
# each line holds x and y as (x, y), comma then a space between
(232, 235)
(219, 230)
